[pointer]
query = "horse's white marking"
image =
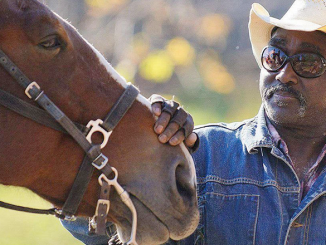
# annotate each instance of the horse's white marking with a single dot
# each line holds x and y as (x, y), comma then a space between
(190, 160)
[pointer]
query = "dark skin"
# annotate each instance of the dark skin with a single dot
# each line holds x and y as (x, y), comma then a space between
(169, 132)
(301, 125)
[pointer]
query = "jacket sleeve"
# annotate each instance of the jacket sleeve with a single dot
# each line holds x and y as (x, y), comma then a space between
(79, 229)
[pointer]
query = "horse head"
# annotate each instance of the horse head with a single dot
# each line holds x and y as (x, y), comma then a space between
(159, 178)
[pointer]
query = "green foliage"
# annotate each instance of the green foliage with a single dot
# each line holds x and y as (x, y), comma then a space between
(18, 228)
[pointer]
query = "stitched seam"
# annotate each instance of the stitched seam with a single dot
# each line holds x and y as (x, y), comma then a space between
(234, 181)
(279, 204)
(232, 195)
(247, 195)
(261, 143)
(305, 227)
(220, 125)
(276, 168)
(256, 221)
(308, 224)
(282, 219)
(298, 214)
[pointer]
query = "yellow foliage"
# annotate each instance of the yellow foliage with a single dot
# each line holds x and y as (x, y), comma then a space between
(181, 51)
(19, 228)
(214, 26)
(105, 6)
(216, 76)
(140, 45)
(157, 67)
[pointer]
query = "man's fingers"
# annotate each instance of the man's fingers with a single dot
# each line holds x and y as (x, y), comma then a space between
(188, 126)
(156, 101)
(180, 117)
(177, 139)
(184, 132)
(157, 109)
(162, 122)
(170, 106)
(174, 130)
(191, 140)
(170, 130)
(174, 124)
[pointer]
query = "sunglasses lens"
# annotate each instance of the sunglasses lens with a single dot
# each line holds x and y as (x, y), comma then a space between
(273, 58)
(307, 65)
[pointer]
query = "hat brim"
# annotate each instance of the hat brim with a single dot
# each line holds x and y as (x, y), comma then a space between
(261, 25)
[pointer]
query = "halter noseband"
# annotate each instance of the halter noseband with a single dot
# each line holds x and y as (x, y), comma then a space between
(53, 117)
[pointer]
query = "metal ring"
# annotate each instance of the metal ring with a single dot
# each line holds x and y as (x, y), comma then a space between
(95, 127)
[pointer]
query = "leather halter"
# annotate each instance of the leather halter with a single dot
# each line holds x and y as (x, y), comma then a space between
(52, 116)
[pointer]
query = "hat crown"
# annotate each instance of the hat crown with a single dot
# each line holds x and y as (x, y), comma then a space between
(303, 15)
(308, 10)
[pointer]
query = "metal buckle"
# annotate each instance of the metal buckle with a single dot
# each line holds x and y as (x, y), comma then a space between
(95, 127)
(104, 162)
(29, 87)
(125, 198)
(104, 202)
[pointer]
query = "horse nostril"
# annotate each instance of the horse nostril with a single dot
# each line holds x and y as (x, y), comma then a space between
(184, 182)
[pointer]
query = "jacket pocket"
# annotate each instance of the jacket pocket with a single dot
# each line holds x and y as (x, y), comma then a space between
(229, 219)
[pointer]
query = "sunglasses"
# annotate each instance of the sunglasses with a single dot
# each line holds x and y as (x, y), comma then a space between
(307, 65)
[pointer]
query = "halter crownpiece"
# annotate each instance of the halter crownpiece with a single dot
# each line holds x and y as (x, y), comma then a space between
(53, 117)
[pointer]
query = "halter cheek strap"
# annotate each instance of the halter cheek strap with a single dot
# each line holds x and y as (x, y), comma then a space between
(53, 117)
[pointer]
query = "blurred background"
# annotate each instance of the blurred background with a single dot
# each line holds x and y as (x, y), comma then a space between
(195, 50)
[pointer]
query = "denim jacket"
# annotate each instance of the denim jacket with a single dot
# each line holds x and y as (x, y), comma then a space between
(249, 193)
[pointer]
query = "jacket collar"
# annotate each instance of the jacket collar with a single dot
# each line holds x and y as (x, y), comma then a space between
(256, 133)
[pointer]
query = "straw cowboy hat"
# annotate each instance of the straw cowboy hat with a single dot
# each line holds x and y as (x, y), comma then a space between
(303, 15)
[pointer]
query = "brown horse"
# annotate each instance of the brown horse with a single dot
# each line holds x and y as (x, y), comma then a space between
(160, 179)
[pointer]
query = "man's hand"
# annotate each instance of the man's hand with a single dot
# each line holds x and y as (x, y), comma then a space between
(174, 124)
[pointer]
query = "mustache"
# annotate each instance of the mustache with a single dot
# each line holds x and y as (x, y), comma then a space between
(268, 93)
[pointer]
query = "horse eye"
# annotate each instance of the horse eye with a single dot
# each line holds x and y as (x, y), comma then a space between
(52, 43)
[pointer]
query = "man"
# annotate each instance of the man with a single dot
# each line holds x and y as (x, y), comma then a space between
(263, 181)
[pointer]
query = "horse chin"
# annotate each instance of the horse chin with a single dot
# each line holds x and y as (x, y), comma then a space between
(143, 238)
(150, 230)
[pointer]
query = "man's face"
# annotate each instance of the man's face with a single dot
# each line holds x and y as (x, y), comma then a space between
(290, 100)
